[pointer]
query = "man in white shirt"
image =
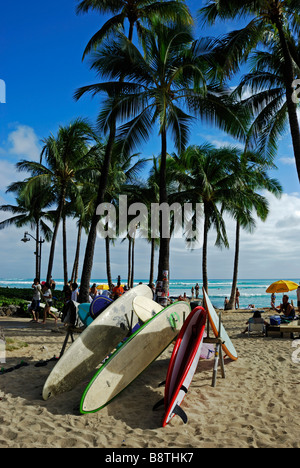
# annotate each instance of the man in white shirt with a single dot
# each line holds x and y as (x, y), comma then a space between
(36, 300)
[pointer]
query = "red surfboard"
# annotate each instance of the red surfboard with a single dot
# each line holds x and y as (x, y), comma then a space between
(183, 364)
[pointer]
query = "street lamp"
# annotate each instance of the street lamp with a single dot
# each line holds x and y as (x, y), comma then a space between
(37, 253)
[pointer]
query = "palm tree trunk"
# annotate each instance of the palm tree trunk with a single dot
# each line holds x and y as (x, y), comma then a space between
(204, 252)
(74, 276)
(231, 304)
(65, 257)
(164, 250)
(91, 242)
(90, 247)
(108, 269)
(54, 237)
(289, 77)
(37, 251)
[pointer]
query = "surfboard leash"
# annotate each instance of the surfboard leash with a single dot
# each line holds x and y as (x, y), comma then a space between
(11, 369)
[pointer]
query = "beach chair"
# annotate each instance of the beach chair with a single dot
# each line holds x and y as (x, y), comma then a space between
(257, 328)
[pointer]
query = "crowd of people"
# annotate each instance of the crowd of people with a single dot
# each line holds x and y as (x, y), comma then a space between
(44, 291)
(43, 296)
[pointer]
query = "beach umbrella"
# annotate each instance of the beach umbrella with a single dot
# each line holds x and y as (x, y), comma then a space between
(282, 286)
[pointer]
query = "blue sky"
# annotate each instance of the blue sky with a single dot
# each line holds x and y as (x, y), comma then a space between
(41, 45)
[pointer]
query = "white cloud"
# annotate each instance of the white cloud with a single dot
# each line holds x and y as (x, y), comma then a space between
(23, 142)
(220, 140)
(8, 174)
(288, 161)
(270, 252)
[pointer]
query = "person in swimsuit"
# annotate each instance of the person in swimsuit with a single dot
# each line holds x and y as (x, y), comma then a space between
(287, 308)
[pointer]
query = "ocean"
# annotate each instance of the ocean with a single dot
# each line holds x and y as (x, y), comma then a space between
(252, 291)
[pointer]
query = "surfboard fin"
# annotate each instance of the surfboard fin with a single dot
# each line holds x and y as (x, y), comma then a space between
(179, 411)
(162, 383)
(158, 404)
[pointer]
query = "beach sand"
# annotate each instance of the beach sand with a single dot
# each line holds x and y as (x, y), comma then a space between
(257, 405)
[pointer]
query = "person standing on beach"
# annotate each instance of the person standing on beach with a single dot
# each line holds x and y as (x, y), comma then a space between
(47, 296)
(52, 283)
(36, 300)
(237, 298)
(197, 288)
(75, 292)
(273, 299)
(118, 290)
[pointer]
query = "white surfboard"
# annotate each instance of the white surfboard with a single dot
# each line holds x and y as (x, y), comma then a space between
(94, 344)
(134, 356)
(227, 345)
(145, 308)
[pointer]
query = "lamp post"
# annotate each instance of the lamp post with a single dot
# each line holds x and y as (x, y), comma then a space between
(37, 253)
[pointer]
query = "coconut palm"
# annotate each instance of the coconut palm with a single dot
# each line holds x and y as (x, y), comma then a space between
(32, 212)
(250, 179)
(123, 176)
(158, 88)
(209, 181)
(267, 19)
(138, 13)
(65, 155)
(267, 99)
(142, 13)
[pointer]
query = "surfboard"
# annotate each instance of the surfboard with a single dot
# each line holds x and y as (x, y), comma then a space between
(84, 314)
(183, 363)
(94, 343)
(227, 345)
(145, 308)
(133, 357)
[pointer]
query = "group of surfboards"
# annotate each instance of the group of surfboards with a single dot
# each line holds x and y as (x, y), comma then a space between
(133, 331)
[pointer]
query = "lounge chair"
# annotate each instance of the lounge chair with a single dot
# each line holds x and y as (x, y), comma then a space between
(256, 328)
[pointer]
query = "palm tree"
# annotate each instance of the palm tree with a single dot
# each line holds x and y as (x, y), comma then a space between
(123, 174)
(209, 181)
(65, 155)
(170, 77)
(137, 13)
(268, 97)
(250, 178)
(29, 213)
(87, 181)
(142, 12)
(268, 19)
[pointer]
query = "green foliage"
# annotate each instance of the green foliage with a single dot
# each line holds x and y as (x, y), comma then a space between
(21, 296)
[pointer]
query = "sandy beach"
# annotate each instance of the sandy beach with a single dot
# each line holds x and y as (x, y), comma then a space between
(257, 405)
